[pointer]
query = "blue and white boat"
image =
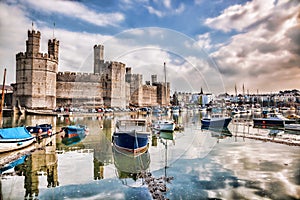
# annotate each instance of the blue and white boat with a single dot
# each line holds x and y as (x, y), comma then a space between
(14, 138)
(74, 134)
(131, 135)
(41, 130)
(272, 119)
(216, 121)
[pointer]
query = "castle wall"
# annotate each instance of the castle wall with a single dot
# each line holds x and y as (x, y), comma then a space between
(79, 90)
(135, 88)
(163, 93)
(118, 86)
(149, 96)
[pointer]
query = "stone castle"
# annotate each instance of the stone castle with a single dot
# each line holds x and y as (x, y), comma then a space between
(39, 85)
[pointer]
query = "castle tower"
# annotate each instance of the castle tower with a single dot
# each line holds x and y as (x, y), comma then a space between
(154, 78)
(114, 84)
(53, 46)
(33, 42)
(98, 59)
(35, 86)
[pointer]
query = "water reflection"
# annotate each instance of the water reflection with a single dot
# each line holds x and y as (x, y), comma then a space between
(130, 165)
(235, 168)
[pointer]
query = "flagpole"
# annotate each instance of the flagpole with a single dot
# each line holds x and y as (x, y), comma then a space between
(2, 98)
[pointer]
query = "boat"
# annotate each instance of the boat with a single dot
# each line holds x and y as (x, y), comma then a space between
(272, 119)
(74, 134)
(163, 125)
(131, 135)
(292, 127)
(216, 121)
(130, 165)
(14, 138)
(40, 130)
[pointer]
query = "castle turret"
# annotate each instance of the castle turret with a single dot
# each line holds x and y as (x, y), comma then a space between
(53, 46)
(98, 58)
(33, 42)
(154, 78)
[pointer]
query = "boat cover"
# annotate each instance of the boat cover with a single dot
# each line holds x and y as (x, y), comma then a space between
(14, 133)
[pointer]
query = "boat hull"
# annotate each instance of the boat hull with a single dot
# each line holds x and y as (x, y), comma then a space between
(216, 123)
(14, 138)
(271, 122)
(292, 127)
(39, 128)
(131, 141)
(7, 145)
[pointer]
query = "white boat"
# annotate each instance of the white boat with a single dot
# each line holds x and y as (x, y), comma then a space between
(14, 138)
(164, 125)
(216, 121)
(293, 127)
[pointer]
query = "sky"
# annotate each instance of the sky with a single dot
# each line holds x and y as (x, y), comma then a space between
(210, 44)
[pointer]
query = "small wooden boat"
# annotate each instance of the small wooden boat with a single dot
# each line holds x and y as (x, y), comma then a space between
(40, 130)
(216, 121)
(131, 135)
(14, 138)
(164, 125)
(74, 134)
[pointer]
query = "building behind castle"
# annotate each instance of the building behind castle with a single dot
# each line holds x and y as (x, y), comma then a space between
(39, 84)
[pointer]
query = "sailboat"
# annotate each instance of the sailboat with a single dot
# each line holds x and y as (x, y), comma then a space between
(164, 124)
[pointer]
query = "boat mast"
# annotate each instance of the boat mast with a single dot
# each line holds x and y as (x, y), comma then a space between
(2, 98)
(165, 73)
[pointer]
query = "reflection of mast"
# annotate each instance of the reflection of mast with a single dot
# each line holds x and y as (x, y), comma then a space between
(166, 158)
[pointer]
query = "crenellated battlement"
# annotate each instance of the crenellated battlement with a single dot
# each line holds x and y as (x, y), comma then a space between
(77, 77)
(26, 55)
(98, 46)
(34, 33)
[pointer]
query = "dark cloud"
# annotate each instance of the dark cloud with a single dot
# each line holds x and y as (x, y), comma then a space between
(294, 35)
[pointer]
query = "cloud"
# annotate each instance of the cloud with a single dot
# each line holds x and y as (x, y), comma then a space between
(164, 8)
(240, 17)
(79, 11)
(152, 10)
(204, 41)
(265, 53)
(11, 41)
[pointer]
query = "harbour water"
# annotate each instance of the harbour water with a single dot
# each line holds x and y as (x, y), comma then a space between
(201, 164)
